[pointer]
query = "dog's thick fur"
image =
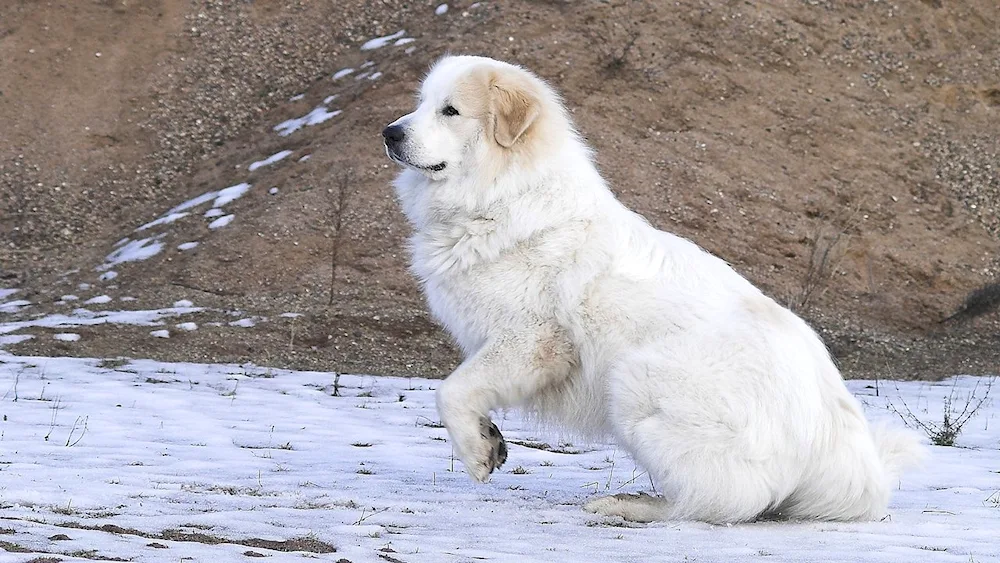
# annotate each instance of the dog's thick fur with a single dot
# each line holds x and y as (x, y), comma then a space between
(567, 304)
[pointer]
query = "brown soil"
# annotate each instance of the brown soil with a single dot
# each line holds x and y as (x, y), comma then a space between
(842, 155)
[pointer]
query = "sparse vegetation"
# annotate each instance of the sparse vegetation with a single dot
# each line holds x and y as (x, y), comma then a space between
(827, 249)
(945, 432)
(112, 363)
(74, 438)
(338, 211)
(615, 37)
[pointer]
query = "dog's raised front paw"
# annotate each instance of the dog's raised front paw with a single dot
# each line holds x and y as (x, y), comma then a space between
(498, 447)
(491, 452)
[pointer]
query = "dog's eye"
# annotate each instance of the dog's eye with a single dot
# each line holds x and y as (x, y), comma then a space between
(449, 110)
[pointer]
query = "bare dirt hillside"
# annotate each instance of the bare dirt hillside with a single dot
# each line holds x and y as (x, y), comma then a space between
(842, 155)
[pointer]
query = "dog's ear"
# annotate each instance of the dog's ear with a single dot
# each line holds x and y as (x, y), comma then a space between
(514, 108)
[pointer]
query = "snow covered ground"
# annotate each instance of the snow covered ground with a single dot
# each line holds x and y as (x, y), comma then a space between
(151, 461)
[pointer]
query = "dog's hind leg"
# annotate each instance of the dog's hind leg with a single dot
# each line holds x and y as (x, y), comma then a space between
(710, 456)
(634, 508)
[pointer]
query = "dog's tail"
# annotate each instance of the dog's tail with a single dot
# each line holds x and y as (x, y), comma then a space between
(898, 449)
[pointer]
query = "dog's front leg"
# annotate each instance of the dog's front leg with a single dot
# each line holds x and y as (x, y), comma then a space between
(506, 372)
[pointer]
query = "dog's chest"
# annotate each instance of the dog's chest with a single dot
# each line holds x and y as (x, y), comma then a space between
(477, 278)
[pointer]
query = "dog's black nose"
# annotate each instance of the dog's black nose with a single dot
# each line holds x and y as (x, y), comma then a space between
(393, 134)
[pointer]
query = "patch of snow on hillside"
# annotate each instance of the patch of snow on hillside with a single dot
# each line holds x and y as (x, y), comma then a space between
(14, 306)
(7, 339)
(100, 299)
(165, 220)
(133, 251)
(441, 9)
(278, 156)
(230, 194)
(85, 317)
(380, 42)
(187, 245)
(5, 293)
(315, 117)
(214, 212)
(67, 336)
(221, 222)
(195, 201)
(342, 73)
(108, 276)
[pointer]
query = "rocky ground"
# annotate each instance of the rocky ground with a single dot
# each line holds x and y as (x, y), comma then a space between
(842, 155)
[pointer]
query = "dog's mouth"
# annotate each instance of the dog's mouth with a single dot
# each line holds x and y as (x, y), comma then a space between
(398, 158)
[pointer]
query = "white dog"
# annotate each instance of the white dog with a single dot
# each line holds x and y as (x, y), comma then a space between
(569, 305)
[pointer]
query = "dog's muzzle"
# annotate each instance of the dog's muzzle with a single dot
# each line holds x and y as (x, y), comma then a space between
(394, 135)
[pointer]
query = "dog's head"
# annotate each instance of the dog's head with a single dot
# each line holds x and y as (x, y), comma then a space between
(469, 108)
